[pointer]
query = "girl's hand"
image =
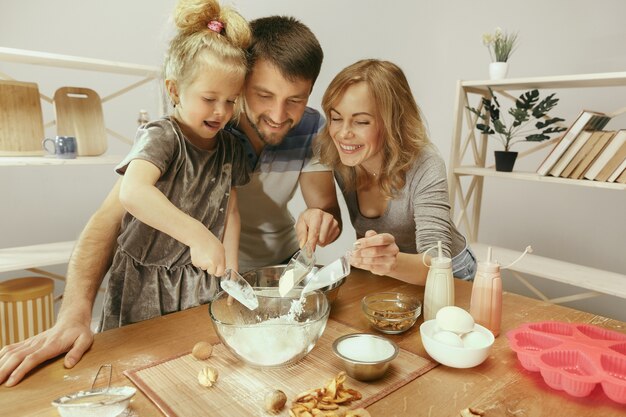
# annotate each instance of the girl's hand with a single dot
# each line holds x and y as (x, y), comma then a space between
(377, 253)
(207, 253)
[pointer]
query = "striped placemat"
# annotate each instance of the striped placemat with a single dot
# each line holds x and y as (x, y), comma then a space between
(172, 384)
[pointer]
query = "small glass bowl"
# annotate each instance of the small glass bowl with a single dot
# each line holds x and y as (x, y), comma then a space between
(391, 312)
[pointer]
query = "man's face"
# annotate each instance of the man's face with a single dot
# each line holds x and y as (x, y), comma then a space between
(273, 104)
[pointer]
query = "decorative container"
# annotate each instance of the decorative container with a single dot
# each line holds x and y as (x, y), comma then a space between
(505, 160)
(27, 305)
(498, 70)
(573, 357)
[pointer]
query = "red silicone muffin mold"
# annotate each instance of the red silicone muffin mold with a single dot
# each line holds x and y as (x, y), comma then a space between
(573, 357)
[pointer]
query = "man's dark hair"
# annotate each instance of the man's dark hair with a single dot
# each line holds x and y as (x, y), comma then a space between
(288, 44)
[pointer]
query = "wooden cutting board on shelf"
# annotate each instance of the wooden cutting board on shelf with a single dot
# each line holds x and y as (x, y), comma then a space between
(21, 119)
(79, 114)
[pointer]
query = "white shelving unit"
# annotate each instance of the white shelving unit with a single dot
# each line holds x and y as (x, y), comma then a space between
(33, 257)
(468, 159)
(29, 257)
(19, 161)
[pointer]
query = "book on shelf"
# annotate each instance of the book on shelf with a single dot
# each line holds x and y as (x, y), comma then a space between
(621, 168)
(616, 151)
(610, 150)
(622, 178)
(598, 147)
(570, 153)
(586, 120)
(594, 136)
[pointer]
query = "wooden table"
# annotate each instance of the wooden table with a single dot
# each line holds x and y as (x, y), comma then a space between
(499, 385)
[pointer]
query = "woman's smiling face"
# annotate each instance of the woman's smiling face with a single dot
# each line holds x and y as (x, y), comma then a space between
(356, 128)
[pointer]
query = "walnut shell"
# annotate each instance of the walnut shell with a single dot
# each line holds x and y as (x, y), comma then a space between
(275, 401)
(202, 350)
(208, 376)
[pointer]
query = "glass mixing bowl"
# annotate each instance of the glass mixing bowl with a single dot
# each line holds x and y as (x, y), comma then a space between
(281, 331)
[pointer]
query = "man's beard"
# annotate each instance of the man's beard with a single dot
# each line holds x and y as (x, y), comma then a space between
(263, 137)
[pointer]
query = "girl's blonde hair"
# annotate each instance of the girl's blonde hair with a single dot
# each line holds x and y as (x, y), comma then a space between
(196, 47)
(403, 131)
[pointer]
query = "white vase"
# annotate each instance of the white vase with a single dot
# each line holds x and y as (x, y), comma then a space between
(498, 70)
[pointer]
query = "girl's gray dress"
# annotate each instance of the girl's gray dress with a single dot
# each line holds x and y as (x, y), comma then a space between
(152, 273)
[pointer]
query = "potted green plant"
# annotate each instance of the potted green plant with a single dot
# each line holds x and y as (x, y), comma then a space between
(529, 108)
(500, 46)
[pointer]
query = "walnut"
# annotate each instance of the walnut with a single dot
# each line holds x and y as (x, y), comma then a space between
(202, 350)
(472, 412)
(208, 376)
(275, 401)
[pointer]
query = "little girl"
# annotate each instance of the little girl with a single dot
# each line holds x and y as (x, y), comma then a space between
(179, 178)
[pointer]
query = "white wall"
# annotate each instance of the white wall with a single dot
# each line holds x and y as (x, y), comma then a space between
(435, 42)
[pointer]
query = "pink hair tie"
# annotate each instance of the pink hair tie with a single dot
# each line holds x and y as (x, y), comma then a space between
(216, 26)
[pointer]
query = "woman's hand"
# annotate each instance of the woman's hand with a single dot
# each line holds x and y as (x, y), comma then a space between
(208, 253)
(377, 253)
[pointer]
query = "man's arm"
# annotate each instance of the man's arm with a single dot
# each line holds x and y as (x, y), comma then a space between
(91, 258)
(320, 223)
(87, 267)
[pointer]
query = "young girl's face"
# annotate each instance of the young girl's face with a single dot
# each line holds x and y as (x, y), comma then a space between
(206, 104)
(355, 128)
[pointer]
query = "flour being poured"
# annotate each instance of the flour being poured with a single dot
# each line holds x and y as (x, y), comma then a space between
(276, 340)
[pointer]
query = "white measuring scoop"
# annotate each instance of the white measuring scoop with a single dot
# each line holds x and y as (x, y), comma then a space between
(298, 267)
(240, 289)
(329, 274)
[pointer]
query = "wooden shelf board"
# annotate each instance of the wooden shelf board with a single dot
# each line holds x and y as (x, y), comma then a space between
(23, 56)
(533, 176)
(9, 161)
(605, 282)
(24, 257)
(609, 79)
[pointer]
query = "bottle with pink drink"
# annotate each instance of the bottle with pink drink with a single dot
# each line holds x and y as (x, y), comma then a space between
(486, 300)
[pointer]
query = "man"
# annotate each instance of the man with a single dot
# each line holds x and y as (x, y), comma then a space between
(277, 129)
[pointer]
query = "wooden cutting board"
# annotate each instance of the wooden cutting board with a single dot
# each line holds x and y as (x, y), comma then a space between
(172, 384)
(79, 114)
(21, 119)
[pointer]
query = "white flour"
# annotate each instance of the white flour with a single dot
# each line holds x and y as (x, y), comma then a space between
(274, 341)
(296, 308)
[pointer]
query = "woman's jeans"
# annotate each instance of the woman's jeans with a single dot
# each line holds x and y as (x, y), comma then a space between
(464, 265)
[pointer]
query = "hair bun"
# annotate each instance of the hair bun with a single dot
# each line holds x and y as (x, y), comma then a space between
(196, 15)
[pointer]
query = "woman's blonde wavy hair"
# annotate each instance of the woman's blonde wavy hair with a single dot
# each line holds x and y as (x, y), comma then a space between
(195, 47)
(403, 131)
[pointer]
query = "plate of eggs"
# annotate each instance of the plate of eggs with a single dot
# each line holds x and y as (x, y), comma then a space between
(453, 339)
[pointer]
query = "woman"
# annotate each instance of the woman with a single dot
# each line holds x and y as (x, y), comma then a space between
(391, 176)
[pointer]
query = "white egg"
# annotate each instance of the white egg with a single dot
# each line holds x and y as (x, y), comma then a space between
(455, 319)
(448, 338)
(475, 339)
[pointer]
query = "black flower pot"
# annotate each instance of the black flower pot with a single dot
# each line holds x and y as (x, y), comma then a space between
(505, 160)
